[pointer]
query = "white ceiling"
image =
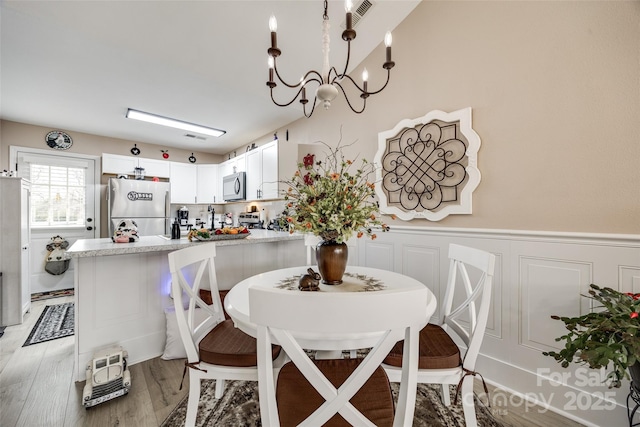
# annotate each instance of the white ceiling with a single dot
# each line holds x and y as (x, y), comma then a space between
(78, 65)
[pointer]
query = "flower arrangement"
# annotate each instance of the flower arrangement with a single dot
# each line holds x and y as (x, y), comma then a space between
(609, 335)
(333, 198)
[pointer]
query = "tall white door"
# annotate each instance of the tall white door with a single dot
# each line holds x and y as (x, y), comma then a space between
(14, 250)
(62, 203)
(25, 247)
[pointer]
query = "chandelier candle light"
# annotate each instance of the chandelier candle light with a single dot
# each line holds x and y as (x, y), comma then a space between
(329, 81)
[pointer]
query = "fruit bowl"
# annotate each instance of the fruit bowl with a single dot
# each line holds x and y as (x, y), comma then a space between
(221, 237)
(226, 233)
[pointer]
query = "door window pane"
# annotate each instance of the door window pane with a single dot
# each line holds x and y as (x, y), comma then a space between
(57, 195)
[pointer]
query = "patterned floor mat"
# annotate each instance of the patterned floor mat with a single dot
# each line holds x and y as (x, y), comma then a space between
(56, 321)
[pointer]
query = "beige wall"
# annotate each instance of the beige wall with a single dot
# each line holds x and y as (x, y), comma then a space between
(555, 92)
(24, 135)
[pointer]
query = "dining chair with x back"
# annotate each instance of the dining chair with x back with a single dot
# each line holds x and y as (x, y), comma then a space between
(215, 348)
(440, 359)
(334, 392)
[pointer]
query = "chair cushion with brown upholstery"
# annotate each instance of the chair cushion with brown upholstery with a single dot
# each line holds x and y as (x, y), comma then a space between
(437, 350)
(205, 294)
(297, 399)
(227, 345)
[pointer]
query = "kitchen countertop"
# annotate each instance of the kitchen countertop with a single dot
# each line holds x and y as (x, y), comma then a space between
(99, 247)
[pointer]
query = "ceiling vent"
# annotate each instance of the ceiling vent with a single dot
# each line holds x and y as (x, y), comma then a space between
(199, 138)
(358, 13)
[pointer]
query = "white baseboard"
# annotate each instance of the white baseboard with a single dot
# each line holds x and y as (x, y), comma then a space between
(535, 393)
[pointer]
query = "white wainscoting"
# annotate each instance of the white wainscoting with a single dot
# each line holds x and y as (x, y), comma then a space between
(537, 274)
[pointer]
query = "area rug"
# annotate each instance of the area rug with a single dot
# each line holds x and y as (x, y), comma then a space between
(56, 321)
(239, 407)
(39, 296)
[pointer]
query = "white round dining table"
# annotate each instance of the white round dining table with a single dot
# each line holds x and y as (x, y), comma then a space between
(362, 280)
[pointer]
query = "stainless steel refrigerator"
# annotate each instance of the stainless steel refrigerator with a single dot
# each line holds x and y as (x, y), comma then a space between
(145, 202)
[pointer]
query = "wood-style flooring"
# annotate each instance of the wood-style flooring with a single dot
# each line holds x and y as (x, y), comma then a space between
(37, 389)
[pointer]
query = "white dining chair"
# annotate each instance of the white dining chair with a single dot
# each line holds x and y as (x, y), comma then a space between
(215, 348)
(311, 242)
(440, 360)
(310, 392)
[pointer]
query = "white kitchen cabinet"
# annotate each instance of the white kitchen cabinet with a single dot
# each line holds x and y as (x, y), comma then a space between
(262, 172)
(184, 178)
(254, 174)
(14, 250)
(117, 164)
(157, 168)
(233, 165)
(208, 189)
(226, 168)
(241, 165)
(113, 163)
(270, 170)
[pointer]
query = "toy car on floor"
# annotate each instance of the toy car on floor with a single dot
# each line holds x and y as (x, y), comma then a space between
(107, 377)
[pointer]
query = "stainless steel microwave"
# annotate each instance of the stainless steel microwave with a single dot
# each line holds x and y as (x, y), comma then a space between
(234, 187)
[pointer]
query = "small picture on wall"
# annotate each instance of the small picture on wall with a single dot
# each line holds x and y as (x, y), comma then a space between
(58, 140)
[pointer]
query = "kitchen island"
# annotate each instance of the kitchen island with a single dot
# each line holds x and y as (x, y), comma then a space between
(122, 289)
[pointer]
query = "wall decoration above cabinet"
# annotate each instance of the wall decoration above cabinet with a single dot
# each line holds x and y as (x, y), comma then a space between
(58, 140)
(135, 150)
(427, 167)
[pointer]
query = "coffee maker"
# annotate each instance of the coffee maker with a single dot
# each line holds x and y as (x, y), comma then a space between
(250, 220)
(183, 215)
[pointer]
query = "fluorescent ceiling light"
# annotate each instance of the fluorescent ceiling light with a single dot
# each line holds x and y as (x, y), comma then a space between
(178, 124)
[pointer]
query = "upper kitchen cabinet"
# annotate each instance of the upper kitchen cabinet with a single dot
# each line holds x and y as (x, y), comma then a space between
(262, 172)
(192, 184)
(241, 163)
(208, 188)
(159, 168)
(113, 163)
(233, 165)
(184, 181)
(117, 164)
(226, 168)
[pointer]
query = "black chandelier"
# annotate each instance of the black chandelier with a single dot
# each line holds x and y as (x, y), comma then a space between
(329, 81)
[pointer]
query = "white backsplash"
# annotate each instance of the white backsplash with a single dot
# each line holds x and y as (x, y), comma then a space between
(272, 209)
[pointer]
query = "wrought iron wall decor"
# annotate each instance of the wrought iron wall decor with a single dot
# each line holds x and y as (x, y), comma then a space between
(427, 167)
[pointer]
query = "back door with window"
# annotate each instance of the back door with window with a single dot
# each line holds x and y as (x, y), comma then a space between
(62, 204)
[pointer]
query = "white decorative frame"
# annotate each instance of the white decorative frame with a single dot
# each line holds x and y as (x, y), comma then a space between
(394, 147)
